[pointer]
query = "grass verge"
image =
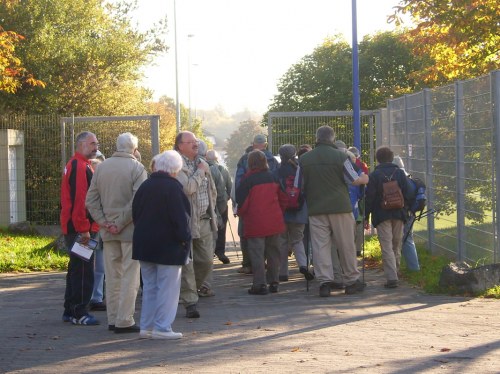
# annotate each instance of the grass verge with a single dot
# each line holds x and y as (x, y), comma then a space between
(24, 253)
(430, 269)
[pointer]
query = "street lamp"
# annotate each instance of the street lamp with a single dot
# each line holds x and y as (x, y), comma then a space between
(177, 103)
(189, 79)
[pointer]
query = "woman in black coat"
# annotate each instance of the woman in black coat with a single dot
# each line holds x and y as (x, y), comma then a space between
(161, 243)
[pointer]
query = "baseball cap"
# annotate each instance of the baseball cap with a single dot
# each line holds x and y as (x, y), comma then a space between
(259, 139)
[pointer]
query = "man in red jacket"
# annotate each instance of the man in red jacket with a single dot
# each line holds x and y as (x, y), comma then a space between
(76, 221)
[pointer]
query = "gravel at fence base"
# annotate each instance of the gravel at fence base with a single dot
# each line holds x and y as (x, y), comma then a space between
(379, 331)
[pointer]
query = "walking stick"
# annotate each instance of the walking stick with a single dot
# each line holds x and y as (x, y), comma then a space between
(232, 235)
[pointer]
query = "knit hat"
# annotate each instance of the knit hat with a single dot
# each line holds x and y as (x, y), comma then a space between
(399, 162)
(287, 151)
(202, 148)
(340, 144)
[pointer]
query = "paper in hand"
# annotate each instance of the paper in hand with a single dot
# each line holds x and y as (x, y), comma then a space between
(84, 251)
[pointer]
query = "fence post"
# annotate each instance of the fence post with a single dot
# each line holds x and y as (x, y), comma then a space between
(429, 180)
(63, 144)
(460, 171)
(155, 135)
(495, 109)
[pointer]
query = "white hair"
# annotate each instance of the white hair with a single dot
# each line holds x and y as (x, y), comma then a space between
(168, 162)
(127, 142)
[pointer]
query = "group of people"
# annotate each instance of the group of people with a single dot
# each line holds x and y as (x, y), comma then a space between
(163, 231)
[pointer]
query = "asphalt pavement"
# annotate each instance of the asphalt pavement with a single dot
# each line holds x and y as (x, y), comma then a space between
(294, 331)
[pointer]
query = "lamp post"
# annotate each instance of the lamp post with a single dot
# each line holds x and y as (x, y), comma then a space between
(355, 80)
(189, 79)
(177, 103)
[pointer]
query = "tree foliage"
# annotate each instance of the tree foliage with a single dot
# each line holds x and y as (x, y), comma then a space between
(323, 79)
(240, 140)
(12, 72)
(461, 36)
(87, 53)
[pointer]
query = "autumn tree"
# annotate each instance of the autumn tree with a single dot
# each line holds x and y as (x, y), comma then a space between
(86, 51)
(323, 79)
(461, 36)
(240, 140)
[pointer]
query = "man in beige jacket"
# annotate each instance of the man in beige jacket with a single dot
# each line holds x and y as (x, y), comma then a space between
(109, 201)
(199, 188)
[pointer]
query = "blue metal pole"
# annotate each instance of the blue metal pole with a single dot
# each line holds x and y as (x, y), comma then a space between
(355, 80)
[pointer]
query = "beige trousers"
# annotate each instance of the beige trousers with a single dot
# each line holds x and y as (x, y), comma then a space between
(390, 237)
(337, 229)
(122, 282)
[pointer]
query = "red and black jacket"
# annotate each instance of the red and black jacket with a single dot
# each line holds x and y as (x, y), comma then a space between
(75, 183)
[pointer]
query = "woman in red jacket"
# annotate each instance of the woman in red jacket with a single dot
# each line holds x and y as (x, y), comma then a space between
(261, 204)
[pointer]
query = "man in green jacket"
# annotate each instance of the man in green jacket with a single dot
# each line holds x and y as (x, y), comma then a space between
(327, 171)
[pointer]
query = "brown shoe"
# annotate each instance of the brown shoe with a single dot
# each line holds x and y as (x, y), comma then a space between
(245, 270)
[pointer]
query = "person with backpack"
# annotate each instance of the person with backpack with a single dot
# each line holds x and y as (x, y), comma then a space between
(386, 193)
(259, 143)
(261, 204)
(295, 215)
(409, 251)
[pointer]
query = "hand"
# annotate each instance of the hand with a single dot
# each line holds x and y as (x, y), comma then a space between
(367, 225)
(111, 228)
(203, 166)
(84, 237)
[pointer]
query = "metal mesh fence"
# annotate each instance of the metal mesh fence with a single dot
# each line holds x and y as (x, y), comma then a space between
(447, 136)
(48, 145)
(300, 128)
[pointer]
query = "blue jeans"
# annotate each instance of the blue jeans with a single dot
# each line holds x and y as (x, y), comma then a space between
(98, 292)
(409, 250)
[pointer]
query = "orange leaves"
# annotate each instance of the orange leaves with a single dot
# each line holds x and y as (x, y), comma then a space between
(12, 73)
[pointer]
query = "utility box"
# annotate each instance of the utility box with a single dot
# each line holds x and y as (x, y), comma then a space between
(12, 177)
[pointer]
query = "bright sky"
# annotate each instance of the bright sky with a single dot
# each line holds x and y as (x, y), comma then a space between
(239, 49)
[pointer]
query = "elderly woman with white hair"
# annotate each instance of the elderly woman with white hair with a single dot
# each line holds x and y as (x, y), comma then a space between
(162, 234)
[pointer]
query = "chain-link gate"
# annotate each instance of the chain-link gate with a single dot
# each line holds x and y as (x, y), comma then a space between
(300, 128)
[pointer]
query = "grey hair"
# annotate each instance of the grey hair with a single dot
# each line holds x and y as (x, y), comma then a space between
(212, 155)
(127, 142)
(325, 134)
(81, 137)
(168, 162)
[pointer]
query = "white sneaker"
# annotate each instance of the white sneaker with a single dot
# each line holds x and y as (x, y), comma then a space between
(166, 335)
(145, 334)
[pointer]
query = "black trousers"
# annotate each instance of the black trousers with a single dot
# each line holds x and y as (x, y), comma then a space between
(79, 282)
(220, 243)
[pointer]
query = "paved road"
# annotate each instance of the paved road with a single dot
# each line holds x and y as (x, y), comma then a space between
(380, 331)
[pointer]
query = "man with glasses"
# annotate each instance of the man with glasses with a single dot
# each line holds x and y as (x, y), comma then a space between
(76, 222)
(199, 188)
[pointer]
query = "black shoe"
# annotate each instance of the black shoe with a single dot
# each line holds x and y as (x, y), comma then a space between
(223, 258)
(111, 327)
(283, 278)
(324, 290)
(337, 285)
(391, 284)
(307, 274)
(259, 290)
(356, 287)
(274, 287)
(192, 312)
(97, 306)
(124, 330)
